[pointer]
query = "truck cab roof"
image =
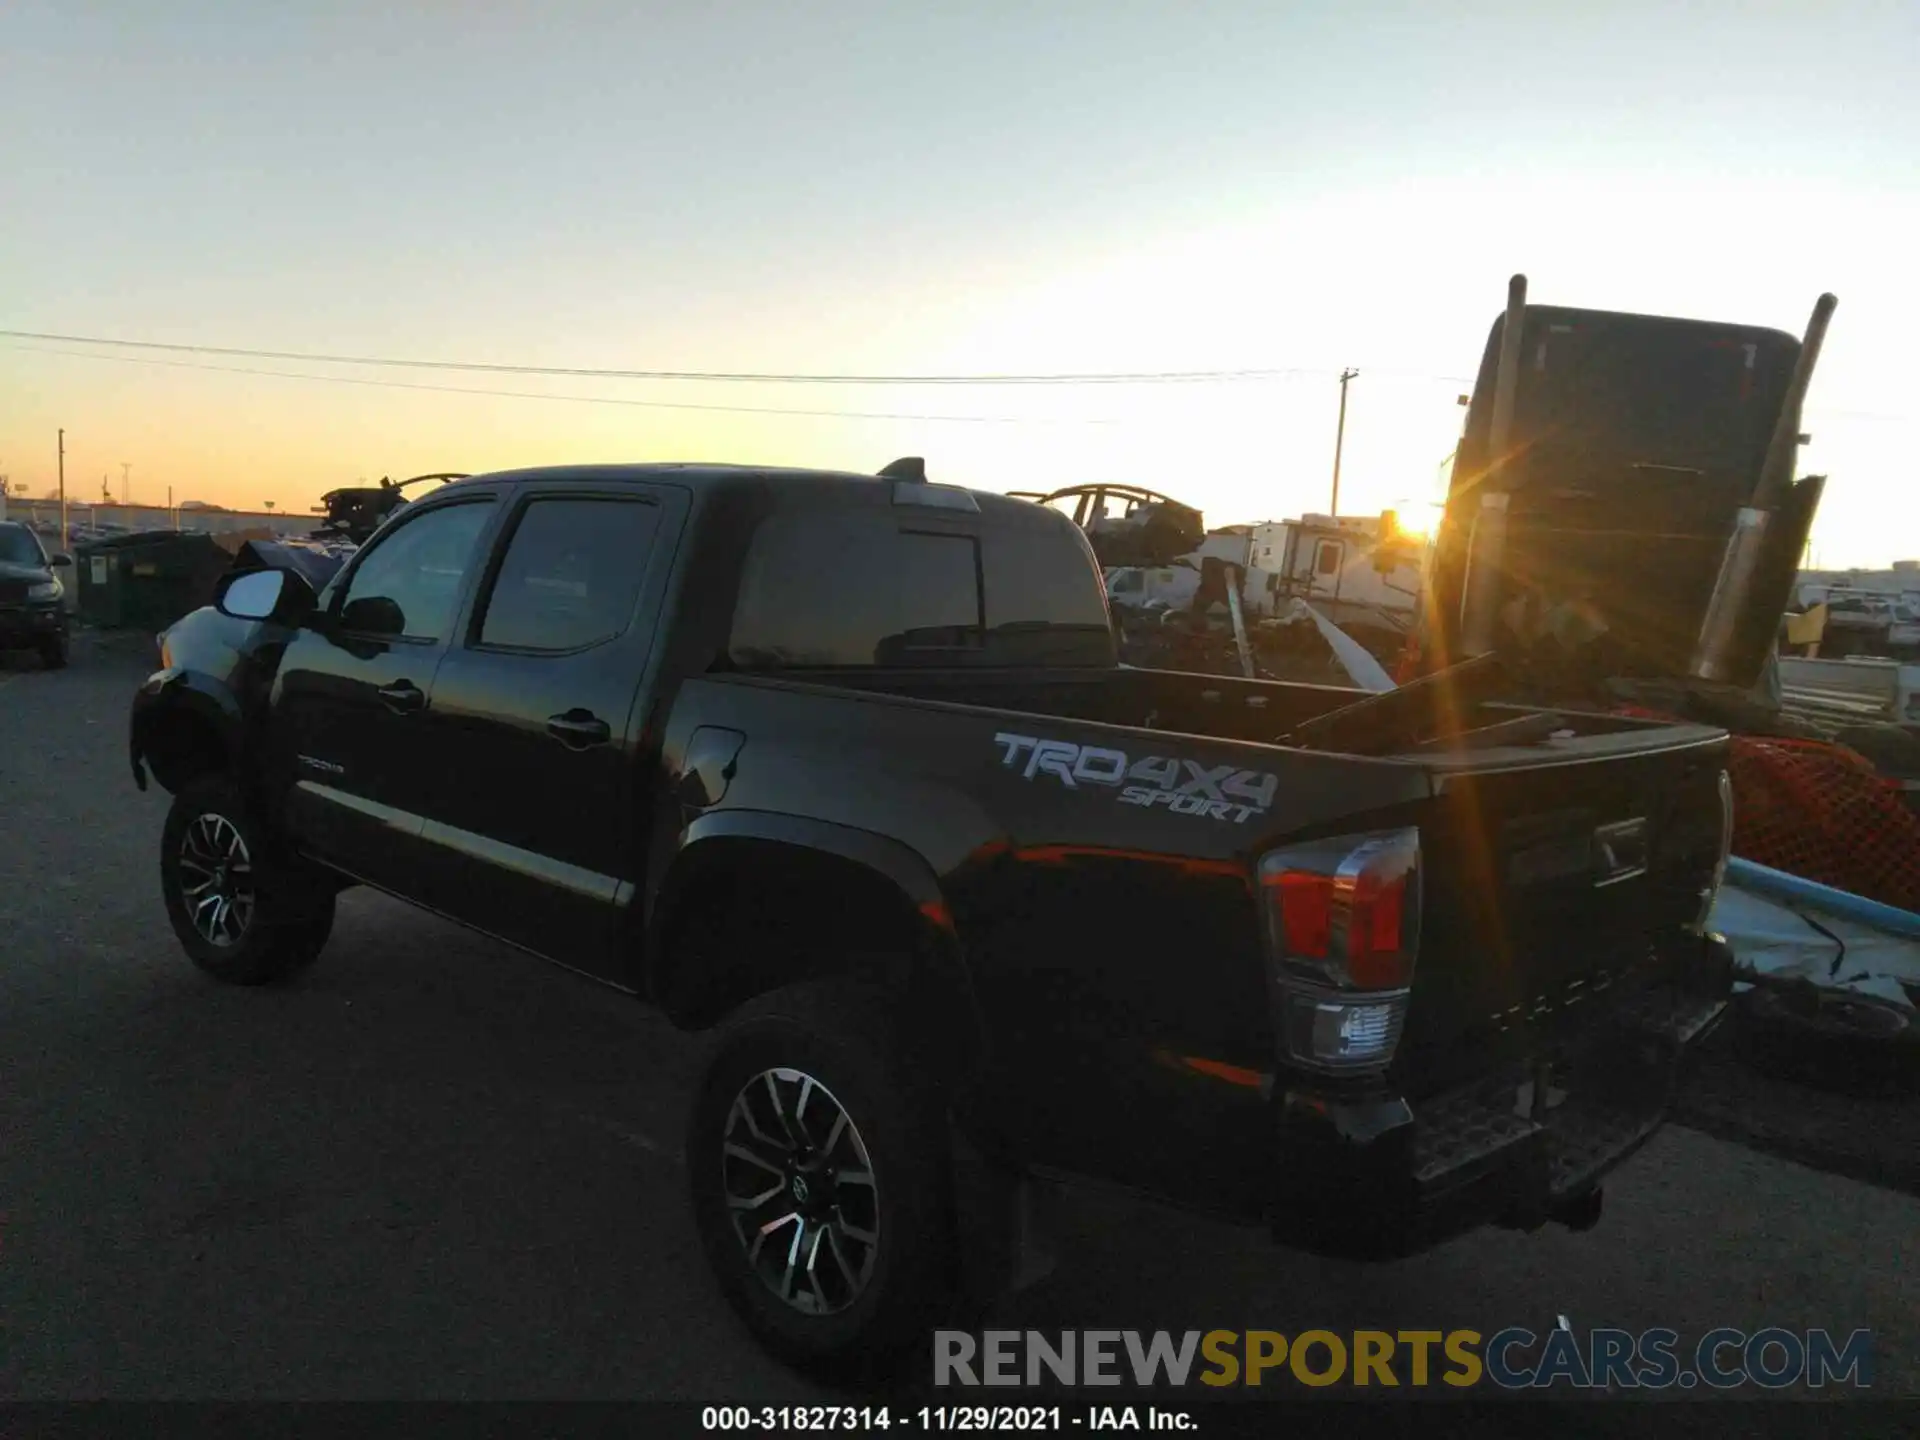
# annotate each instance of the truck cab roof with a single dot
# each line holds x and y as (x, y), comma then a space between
(812, 568)
(805, 485)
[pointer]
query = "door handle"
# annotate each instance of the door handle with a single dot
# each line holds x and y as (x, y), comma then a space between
(403, 697)
(577, 729)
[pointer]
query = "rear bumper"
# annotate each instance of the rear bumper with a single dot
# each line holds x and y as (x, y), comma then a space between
(1382, 1177)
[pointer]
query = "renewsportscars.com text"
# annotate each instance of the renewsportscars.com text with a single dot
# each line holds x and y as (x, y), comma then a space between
(1510, 1359)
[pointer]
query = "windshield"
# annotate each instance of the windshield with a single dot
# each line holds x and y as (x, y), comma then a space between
(19, 547)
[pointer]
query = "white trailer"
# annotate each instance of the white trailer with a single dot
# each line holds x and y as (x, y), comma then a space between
(1348, 567)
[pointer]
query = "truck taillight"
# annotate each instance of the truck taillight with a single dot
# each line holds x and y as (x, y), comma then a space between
(1343, 931)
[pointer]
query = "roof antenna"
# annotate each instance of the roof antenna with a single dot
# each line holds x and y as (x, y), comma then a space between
(908, 467)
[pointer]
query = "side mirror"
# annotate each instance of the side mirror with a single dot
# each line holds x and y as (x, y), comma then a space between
(61, 562)
(279, 595)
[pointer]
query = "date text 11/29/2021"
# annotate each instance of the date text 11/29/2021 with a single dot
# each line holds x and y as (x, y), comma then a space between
(938, 1418)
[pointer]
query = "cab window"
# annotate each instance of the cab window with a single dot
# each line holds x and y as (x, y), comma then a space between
(408, 585)
(571, 574)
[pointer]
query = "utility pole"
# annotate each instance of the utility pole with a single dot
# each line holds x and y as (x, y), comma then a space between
(65, 538)
(1339, 440)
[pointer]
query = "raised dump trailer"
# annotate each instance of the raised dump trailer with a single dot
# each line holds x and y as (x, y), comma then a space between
(1623, 502)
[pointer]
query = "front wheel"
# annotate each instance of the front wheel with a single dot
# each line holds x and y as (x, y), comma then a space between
(818, 1164)
(243, 913)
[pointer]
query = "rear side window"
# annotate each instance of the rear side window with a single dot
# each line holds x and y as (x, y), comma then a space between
(571, 574)
(837, 589)
(1046, 600)
(866, 589)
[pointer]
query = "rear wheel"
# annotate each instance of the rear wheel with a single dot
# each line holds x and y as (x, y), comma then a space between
(818, 1159)
(244, 913)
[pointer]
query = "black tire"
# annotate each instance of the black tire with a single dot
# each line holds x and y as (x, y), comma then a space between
(888, 1295)
(54, 652)
(289, 914)
(1857, 1044)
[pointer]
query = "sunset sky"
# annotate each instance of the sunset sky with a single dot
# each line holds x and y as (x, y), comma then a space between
(920, 188)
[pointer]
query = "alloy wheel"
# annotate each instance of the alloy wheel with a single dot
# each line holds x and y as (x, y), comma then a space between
(216, 880)
(799, 1190)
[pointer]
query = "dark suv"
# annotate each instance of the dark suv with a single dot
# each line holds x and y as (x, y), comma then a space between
(33, 608)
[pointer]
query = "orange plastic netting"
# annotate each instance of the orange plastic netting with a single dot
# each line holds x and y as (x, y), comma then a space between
(1813, 809)
(1822, 812)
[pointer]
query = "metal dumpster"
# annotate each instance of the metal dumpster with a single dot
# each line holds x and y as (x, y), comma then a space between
(147, 580)
(96, 570)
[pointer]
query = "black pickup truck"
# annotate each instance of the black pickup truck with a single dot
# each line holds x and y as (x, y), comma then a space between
(845, 766)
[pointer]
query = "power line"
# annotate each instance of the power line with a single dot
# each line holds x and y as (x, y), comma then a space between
(1141, 377)
(571, 399)
(11, 336)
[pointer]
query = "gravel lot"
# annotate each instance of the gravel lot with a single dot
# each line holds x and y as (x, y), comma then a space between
(434, 1168)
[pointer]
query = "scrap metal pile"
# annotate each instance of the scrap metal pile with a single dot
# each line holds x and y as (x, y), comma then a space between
(1214, 629)
(1299, 645)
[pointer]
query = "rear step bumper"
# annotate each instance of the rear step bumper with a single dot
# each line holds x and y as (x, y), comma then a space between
(1525, 1145)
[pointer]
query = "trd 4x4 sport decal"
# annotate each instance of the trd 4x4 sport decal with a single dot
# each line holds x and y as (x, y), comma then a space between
(1185, 787)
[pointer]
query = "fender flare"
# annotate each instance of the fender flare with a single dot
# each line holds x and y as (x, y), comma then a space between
(901, 867)
(186, 692)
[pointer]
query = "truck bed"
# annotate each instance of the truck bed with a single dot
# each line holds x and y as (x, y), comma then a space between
(1248, 711)
(1521, 936)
